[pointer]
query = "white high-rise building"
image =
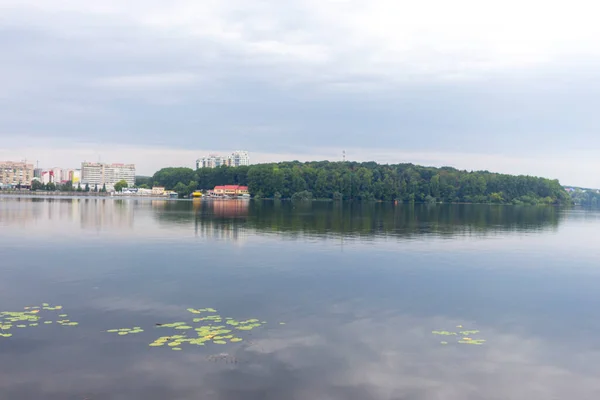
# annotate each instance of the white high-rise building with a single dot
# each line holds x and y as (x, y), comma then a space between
(236, 159)
(99, 174)
(211, 161)
(239, 158)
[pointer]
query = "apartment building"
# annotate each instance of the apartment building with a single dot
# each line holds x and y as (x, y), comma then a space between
(236, 159)
(99, 174)
(15, 173)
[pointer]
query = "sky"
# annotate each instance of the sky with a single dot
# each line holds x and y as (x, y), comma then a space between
(507, 86)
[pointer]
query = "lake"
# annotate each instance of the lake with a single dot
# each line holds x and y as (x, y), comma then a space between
(330, 301)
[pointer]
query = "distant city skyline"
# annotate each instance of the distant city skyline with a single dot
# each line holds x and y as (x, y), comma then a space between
(148, 160)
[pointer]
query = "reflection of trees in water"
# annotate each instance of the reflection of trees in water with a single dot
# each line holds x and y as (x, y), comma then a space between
(358, 219)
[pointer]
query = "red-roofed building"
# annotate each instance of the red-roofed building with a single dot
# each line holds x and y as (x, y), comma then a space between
(230, 190)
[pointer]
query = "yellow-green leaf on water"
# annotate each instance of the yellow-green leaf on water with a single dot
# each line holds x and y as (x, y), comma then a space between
(219, 342)
(176, 348)
(235, 340)
(63, 315)
(156, 344)
(444, 342)
(282, 323)
(6, 334)
(33, 324)
(45, 305)
(47, 322)
(112, 331)
(123, 333)
(21, 326)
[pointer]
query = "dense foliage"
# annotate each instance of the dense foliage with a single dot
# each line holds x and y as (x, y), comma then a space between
(586, 197)
(370, 181)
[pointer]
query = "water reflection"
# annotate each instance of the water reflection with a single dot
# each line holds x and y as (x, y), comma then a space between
(360, 219)
(230, 219)
(358, 322)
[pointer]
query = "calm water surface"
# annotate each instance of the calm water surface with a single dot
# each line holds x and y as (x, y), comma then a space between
(360, 289)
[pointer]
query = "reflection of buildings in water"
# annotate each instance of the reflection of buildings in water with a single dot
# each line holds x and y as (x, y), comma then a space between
(230, 208)
(105, 213)
(21, 211)
(207, 226)
(158, 203)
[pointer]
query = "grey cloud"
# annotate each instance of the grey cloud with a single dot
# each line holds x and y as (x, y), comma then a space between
(273, 79)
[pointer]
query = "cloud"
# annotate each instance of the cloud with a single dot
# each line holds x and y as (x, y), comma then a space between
(147, 81)
(504, 78)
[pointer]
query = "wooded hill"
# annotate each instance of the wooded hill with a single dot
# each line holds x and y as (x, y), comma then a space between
(367, 181)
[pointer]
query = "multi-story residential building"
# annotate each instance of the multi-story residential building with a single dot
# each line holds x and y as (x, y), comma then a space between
(99, 174)
(235, 159)
(239, 158)
(14, 174)
(71, 175)
(52, 175)
(211, 161)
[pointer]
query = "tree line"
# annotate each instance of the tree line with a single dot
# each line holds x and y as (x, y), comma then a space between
(586, 198)
(405, 183)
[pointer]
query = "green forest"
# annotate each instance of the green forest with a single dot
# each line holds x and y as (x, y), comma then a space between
(366, 181)
(586, 197)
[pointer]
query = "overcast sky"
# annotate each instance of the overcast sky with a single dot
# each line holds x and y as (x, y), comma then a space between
(508, 86)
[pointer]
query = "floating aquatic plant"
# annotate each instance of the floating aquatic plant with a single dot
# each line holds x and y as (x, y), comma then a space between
(31, 317)
(444, 333)
(465, 336)
(209, 330)
(126, 331)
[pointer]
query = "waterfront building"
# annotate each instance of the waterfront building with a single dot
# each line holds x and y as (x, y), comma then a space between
(99, 174)
(158, 191)
(14, 174)
(236, 159)
(230, 190)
